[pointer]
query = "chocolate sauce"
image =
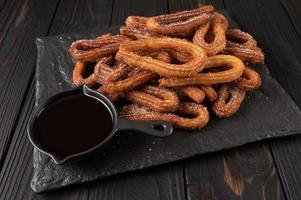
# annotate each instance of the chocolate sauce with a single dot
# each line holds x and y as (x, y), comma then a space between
(73, 124)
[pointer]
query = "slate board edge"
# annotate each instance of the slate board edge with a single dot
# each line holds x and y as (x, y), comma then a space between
(50, 187)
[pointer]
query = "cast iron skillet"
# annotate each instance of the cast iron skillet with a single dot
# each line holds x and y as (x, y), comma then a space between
(154, 128)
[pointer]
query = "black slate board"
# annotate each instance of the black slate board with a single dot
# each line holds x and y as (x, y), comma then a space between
(266, 113)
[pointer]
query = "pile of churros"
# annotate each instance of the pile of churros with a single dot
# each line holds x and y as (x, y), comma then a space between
(172, 67)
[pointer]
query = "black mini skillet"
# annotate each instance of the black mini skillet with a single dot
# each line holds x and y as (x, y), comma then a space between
(154, 128)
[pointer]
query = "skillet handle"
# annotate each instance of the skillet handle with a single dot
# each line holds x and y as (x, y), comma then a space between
(155, 128)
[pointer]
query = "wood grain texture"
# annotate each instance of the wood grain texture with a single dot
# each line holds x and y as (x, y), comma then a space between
(124, 8)
(165, 182)
(69, 17)
(272, 29)
(16, 173)
(244, 173)
(19, 27)
(2, 3)
(287, 154)
(162, 183)
(180, 5)
(278, 36)
(190, 4)
(17, 170)
(19, 163)
(81, 15)
(292, 8)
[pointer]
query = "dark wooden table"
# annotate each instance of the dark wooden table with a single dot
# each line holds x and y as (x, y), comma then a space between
(265, 170)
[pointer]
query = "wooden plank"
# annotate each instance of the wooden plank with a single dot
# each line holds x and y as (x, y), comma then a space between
(165, 182)
(278, 39)
(287, 153)
(19, 27)
(186, 5)
(281, 43)
(158, 183)
(124, 8)
(292, 8)
(16, 172)
(175, 6)
(17, 168)
(162, 183)
(244, 173)
(81, 15)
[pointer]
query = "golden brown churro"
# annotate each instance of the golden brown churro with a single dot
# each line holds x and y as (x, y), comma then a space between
(158, 99)
(127, 54)
(200, 113)
(229, 99)
(234, 69)
(217, 28)
(78, 78)
(243, 46)
(193, 92)
(182, 23)
(166, 66)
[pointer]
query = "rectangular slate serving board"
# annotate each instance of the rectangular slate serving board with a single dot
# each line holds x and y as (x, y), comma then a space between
(266, 113)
